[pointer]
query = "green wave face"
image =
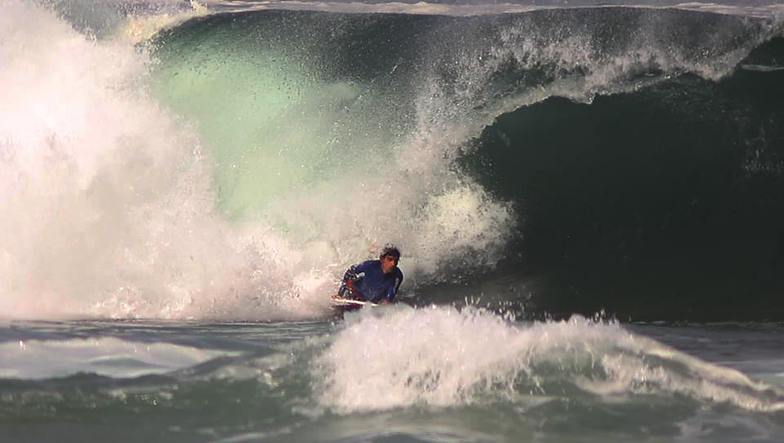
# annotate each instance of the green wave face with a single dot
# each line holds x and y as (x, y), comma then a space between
(275, 106)
(287, 101)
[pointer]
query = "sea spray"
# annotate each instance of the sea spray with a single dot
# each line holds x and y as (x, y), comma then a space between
(107, 197)
(111, 198)
(444, 357)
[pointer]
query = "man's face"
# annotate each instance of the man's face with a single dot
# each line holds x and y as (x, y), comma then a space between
(388, 263)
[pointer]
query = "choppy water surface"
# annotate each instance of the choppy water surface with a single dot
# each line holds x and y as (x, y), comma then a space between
(432, 374)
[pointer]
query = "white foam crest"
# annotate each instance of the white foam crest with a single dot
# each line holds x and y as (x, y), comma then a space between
(567, 60)
(109, 209)
(108, 356)
(445, 357)
(106, 198)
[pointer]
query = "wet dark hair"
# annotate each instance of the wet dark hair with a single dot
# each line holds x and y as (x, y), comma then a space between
(390, 249)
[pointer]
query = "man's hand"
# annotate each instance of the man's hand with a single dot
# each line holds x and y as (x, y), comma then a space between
(353, 293)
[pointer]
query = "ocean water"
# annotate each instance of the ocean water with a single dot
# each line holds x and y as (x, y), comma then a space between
(397, 375)
(589, 197)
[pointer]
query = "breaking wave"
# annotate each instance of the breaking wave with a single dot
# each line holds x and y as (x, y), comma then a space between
(233, 165)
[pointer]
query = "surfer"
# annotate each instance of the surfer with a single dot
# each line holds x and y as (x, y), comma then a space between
(375, 281)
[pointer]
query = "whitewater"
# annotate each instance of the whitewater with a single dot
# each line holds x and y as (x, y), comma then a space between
(588, 199)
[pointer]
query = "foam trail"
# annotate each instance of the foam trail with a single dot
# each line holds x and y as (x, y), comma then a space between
(112, 357)
(443, 357)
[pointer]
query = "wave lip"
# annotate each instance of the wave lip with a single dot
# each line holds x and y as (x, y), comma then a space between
(466, 9)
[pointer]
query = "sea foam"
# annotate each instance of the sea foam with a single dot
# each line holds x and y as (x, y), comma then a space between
(109, 199)
(442, 357)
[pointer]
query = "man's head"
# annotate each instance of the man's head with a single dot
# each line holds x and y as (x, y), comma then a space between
(389, 257)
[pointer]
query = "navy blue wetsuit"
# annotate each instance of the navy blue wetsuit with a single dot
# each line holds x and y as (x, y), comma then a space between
(371, 282)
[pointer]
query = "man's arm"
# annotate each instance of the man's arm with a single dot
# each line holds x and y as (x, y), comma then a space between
(353, 272)
(347, 284)
(392, 290)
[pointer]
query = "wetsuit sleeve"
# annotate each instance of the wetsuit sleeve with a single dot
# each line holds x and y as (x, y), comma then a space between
(353, 272)
(351, 275)
(392, 291)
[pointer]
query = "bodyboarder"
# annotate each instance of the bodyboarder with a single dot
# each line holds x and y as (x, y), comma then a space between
(374, 281)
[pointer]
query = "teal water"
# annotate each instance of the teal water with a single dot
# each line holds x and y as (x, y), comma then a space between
(403, 375)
